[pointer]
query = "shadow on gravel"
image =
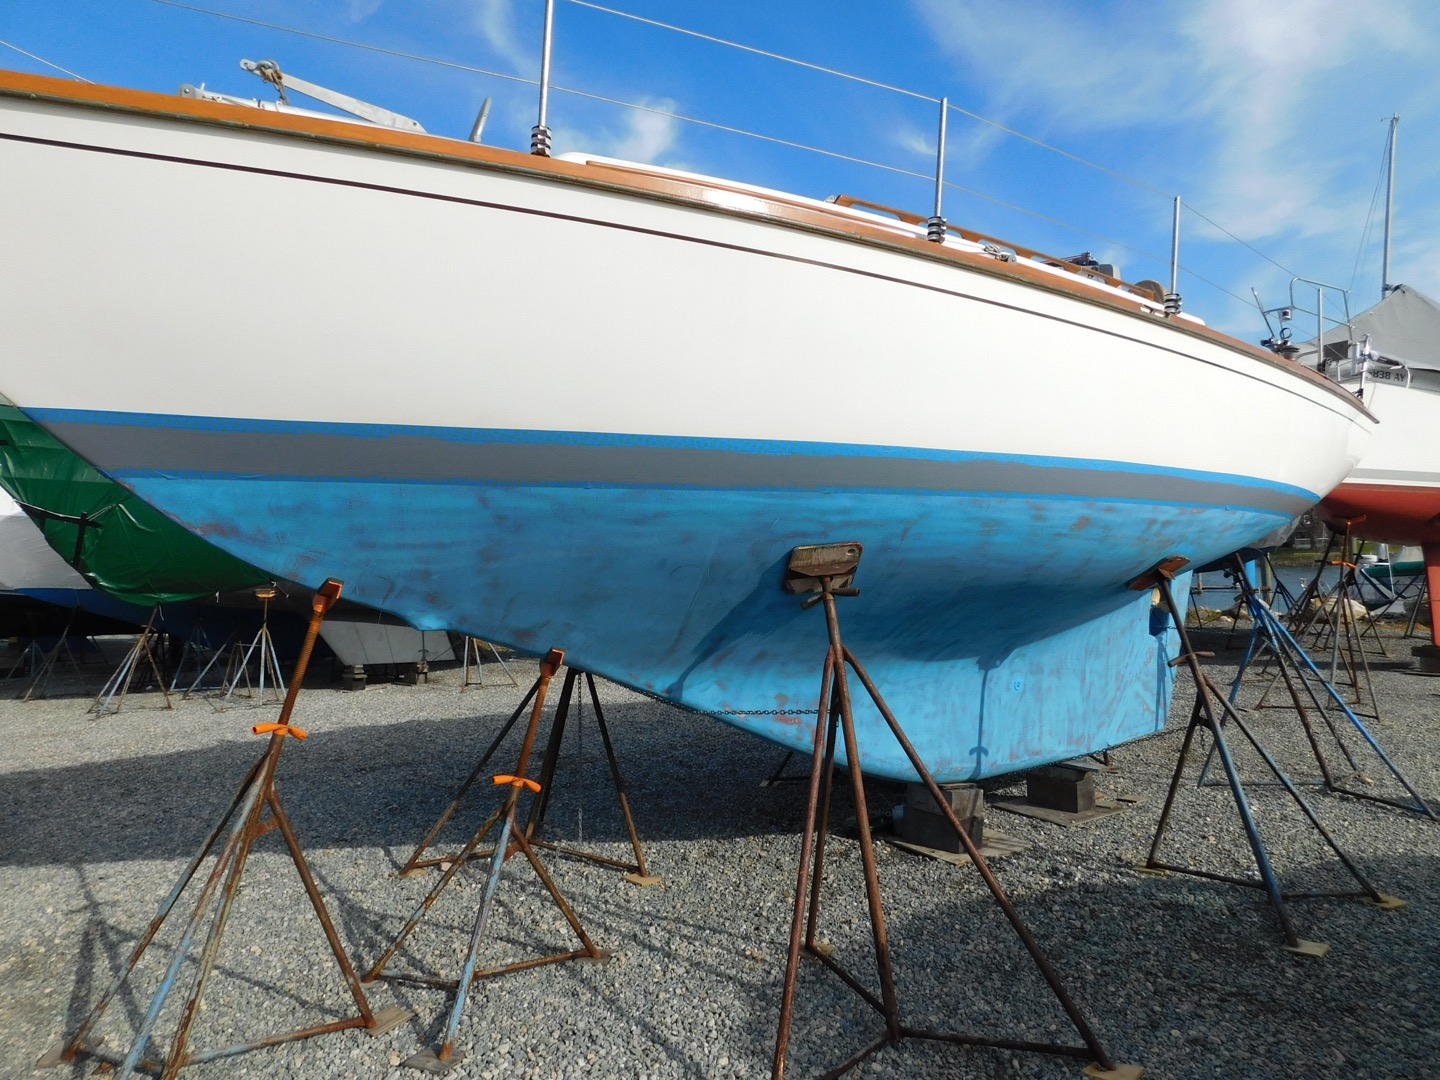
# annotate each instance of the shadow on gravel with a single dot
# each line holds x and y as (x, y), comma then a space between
(1180, 975)
(386, 785)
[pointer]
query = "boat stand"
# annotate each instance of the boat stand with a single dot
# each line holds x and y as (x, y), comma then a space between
(244, 817)
(509, 840)
(1422, 601)
(42, 664)
(472, 648)
(780, 776)
(826, 572)
(1299, 672)
(1333, 624)
(238, 666)
(199, 653)
(636, 873)
(1203, 716)
(145, 653)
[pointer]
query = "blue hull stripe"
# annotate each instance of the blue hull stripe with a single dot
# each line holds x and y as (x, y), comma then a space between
(136, 446)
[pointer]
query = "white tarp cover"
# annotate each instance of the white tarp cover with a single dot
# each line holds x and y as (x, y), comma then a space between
(1404, 326)
(26, 560)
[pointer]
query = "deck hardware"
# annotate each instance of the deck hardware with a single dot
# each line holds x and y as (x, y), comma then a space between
(1172, 297)
(935, 227)
(540, 133)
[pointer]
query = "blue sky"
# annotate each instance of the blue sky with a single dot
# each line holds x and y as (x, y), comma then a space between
(1268, 119)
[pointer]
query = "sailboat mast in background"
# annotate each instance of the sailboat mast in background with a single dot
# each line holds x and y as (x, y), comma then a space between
(1385, 285)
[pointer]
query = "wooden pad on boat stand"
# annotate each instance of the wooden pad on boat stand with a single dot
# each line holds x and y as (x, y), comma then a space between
(823, 573)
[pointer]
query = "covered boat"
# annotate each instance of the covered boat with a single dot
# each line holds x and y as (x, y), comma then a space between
(121, 553)
(1389, 357)
(40, 593)
(584, 404)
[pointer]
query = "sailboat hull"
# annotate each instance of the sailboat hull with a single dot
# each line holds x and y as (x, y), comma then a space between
(565, 404)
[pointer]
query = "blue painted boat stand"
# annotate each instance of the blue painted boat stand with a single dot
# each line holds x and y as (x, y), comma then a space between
(1206, 716)
(509, 840)
(246, 821)
(1271, 640)
(637, 873)
(823, 573)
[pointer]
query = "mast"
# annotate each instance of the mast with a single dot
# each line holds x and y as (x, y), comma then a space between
(1385, 285)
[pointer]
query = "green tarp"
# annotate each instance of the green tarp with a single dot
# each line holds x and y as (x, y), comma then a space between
(124, 547)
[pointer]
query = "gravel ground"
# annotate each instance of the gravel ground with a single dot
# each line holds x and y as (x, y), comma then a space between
(1182, 975)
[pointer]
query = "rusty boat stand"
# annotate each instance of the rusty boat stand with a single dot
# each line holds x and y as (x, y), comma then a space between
(1207, 717)
(823, 573)
(509, 840)
(247, 823)
(637, 873)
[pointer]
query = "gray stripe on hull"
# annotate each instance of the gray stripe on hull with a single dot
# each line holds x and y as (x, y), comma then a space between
(1408, 476)
(422, 459)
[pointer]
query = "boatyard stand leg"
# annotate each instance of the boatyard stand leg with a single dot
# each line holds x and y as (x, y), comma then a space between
(1203, 715)
(826, 572)
(508, 840)
(243, 816)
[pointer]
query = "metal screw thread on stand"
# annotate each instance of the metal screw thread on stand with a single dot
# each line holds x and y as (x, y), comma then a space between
(540, 141)
(1172, 303)
(935, 230)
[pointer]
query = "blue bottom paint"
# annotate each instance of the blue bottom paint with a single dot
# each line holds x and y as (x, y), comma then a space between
(999, 629)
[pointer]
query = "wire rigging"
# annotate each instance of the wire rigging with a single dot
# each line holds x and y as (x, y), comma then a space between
(776, 140)
(1370, 214)
(42, 60)
(867, 82)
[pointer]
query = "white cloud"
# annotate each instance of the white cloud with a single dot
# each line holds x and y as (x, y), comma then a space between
(646, 137)
(650, 135)
(494, 21)
(360, 10)
(1260, 114)
(1058, 60)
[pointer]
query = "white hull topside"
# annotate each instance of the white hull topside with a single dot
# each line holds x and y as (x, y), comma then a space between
(442, 285)
(1405, 449)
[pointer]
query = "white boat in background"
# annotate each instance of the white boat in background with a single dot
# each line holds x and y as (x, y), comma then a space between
(580, 403)
(29, 568)
(1389, 357)
(27, 565)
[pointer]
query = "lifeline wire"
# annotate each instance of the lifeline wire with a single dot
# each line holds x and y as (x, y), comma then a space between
(42, 60)
(775, 139)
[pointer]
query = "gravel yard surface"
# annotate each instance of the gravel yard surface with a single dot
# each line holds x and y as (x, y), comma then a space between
(1182, 975)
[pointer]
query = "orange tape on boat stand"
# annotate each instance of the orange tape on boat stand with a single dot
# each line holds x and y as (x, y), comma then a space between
(283, 729)
(515, 781)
